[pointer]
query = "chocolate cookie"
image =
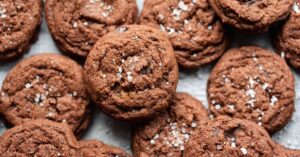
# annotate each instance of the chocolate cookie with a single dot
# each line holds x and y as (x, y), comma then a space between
(288, 40)
(167, 134)
(19, 22)
(281, 151)
(94, 148)
(46, 86)
(132, 73)
(76, 25)
(193, 28)
(228, 137)
(39, 138)
(251, 15)
(254, 84)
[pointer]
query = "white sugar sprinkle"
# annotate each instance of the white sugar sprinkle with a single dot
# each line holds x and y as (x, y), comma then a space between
(251, 82)
(233, 144)
(28, 85)
(152, 142)
(296, 8)
(232, 107)
(74, 93)
(3, 13)
(182, 6)
(122, 29)
(244, 151)
(218, 106)
(129, 77)
(251, 93)
(282, 54)
(219, 147)
(274, 99)
(213, 102)
(193, 125)
(75, 24)
(265, 86)
(162, 28)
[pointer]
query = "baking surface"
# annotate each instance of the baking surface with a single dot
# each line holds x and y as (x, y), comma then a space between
(193, 82)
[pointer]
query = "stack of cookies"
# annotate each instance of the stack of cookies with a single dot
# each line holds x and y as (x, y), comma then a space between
(131, 73)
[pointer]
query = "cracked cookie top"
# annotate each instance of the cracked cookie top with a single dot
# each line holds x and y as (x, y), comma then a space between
(167, 134)
(197, 35)
(251, 15)
(132, 73)
(19, 21)
(39, 138)
(46, 86)
(288, 39)
(229, 137)
(254, 84)
(76, 25)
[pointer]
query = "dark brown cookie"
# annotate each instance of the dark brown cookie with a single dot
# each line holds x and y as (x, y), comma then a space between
(132, 73)
(251, 15)
(281, 151)
(94, 148)
(196, 34)
(228, 137)
(19, 22)
(76, 25)
(167, 134)
(46, 86)
(39, 138)
(254, 84)
(288, 38)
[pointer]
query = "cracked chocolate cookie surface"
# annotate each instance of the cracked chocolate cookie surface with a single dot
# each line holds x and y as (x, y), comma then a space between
(255, 84)
(251, 15)
(288, 39)
(196, 34)
(167, 134)
(46, 86)
(132, 73)
(76, 25)
(19, 22)
(39, 138)
(229, 137)
(94, 148)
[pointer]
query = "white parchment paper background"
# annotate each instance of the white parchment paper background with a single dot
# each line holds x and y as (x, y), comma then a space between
(193, 82)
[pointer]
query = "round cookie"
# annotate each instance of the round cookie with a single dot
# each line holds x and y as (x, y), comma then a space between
(85, 21)
(132, 73)
(254, 84)
(251, 15)
(281, 151)
(94, 148)
(19, 23)
(46, 86)
(39, 138)
(287, 41)
(167, 134)
(198, 37)
(229, 137)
